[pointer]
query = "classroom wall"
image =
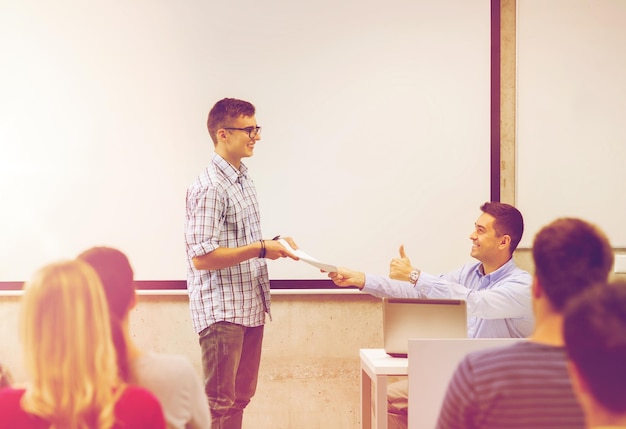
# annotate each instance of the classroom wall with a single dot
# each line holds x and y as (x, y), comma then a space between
(571, 104)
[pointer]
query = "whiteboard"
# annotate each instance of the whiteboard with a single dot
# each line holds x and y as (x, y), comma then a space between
(571, 113)
(375, 121)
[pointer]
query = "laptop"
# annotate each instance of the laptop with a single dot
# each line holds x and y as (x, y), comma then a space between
(408, 318)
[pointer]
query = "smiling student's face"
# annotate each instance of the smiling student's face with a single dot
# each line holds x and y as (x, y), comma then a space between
(237, 144)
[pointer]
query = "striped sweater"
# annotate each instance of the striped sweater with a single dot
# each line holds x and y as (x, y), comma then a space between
(522, 386)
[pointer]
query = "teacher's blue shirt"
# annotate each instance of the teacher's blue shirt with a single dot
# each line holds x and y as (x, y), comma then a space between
(498, 304)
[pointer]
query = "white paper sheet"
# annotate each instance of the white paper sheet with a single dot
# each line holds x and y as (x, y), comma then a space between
(329, 268)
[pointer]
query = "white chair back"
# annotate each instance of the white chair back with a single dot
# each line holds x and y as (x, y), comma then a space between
(431, 365)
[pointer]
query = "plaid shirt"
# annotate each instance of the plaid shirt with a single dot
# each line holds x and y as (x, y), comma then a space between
(222, 210)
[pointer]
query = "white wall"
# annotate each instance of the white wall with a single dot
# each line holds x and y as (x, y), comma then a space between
(571, 133)
(375, 115)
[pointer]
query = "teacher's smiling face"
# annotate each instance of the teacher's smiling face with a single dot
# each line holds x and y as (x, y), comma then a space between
(237, 140)
(485, 241)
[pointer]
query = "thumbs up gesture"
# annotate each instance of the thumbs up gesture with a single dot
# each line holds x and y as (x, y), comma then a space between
(400, 268)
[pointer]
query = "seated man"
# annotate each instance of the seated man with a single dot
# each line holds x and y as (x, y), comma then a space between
(496, 290)
(595, 340)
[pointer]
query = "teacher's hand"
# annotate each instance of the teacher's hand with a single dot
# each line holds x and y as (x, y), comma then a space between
(400, 268)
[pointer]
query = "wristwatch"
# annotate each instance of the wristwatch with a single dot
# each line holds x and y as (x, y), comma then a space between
(414, 276)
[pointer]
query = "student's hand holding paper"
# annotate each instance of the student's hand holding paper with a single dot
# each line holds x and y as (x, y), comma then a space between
(346, 277)
(324, 267)
(276, 248)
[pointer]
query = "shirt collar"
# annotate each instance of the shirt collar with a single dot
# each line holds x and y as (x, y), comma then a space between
(496, 275)
(227, 169)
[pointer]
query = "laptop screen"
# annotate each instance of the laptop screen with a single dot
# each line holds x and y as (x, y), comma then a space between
(407, 318)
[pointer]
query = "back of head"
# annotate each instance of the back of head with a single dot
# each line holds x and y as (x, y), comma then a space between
(226, 111)
(508, 221)
(570, 255)
(595, 339)
(116, 276)
(68, 350)
(6, 379)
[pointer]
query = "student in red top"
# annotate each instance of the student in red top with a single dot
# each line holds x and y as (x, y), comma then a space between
(71, 361)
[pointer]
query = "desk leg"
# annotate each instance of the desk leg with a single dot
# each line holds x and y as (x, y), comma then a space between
(366, 400)
(381, 402)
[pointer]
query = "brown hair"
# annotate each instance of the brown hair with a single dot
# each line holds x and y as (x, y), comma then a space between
(224, 112)
(116, 276)
(570, 255)
(595, 340)
(6, 380)
(508, 221)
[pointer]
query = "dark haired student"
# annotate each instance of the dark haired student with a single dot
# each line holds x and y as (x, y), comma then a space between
(595, 340)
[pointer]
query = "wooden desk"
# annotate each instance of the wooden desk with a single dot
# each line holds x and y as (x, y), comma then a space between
(376, 366)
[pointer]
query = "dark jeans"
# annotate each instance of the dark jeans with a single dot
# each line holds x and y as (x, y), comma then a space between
(231, 355)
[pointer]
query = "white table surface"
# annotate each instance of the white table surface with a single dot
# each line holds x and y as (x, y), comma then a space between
(376, 366)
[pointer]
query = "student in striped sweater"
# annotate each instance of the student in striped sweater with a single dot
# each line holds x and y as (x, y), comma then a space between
(526, 385)
(595, 339)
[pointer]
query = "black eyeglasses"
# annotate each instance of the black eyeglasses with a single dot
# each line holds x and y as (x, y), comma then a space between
(252, 131)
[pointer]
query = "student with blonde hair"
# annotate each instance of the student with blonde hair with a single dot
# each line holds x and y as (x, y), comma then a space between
(170, 377)
(70, 359)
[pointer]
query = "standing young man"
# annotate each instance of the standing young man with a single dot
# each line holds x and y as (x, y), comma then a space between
(227, 279)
